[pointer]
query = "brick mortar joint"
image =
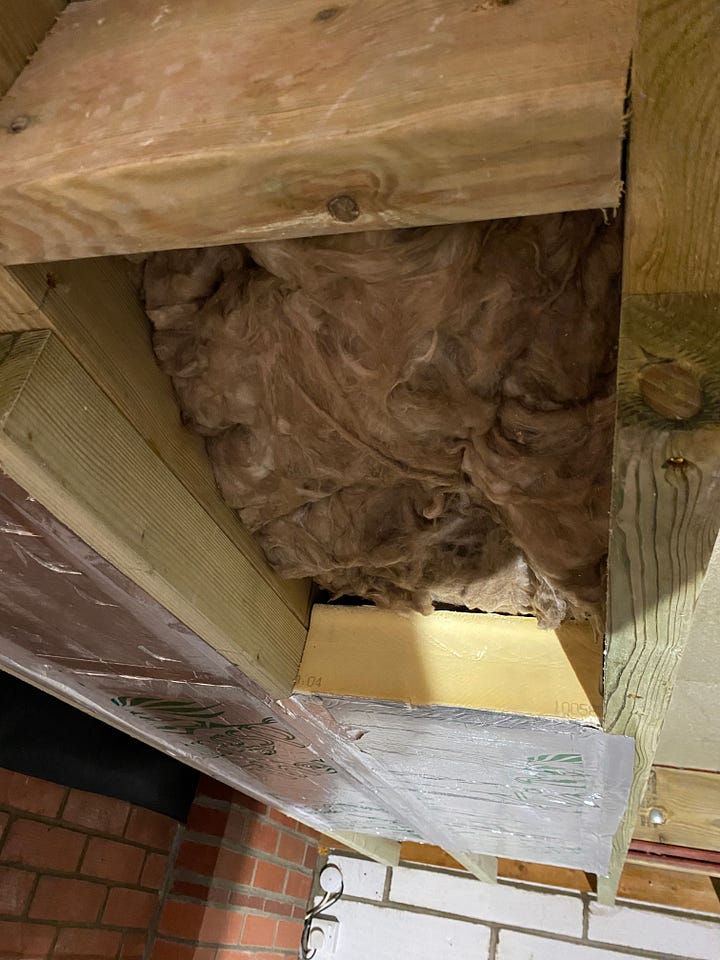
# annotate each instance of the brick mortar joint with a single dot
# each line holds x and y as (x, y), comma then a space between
(283, 831)
(219, 843)
(76, 874)
(164, 891)
(88, 832)
(553, 937)
(210, 945)
(235, 908)
(182, 874)
(69, 924)
(282, 898)
(228, 806)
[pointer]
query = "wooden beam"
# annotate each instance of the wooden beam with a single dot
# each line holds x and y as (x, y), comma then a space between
(652, 883)
(681, 807)
(666, 856)
(481, 661)
(94, 309)
(23, 25)
(144, 125)
(68, 446)
(666, 498)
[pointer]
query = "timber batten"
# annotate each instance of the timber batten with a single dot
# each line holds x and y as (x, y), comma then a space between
(93, 308)
(666, 498)
(66, 444)
(346, 122)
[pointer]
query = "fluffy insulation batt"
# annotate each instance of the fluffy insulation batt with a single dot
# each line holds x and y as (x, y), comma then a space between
(410, 415)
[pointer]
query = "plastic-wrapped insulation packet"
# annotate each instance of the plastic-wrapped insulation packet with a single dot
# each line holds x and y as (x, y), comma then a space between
(546, 790)
(528, 788)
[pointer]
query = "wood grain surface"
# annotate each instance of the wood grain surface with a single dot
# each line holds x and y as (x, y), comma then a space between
(94, 309)
(65, 443)
(689, 802)
(666, 496)
(143, 125)
(23, 25)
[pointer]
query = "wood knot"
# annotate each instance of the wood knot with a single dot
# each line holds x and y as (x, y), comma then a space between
(491, 4)
(343, 208)
(328, 13)
(671, 389)
(18, 124)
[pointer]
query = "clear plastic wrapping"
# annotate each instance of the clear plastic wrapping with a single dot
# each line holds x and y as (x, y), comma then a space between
(534, 789)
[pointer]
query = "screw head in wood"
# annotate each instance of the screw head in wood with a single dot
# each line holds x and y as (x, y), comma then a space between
(343, 208)
(671, 389)
(656, 816)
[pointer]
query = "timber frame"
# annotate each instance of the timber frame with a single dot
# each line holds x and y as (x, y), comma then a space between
(136, 175)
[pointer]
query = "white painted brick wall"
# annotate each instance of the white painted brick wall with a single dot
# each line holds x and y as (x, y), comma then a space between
(361, 878)
(497, 903)
(407, 925)
(368, 932)
(664, 932)
(524, 946)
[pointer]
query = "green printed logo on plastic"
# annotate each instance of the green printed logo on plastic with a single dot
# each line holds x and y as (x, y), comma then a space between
(556, 777)
(261, 746)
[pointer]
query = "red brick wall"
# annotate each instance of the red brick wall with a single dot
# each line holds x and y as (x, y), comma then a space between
(81, 877)
(80, 874)
(241, 882)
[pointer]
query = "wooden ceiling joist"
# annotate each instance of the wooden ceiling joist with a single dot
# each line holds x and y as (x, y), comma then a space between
(666, 496)
(66, 444)
(141, 125)
(93, 308)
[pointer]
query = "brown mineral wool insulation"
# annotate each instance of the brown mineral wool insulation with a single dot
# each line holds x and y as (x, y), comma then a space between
(410, 415)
